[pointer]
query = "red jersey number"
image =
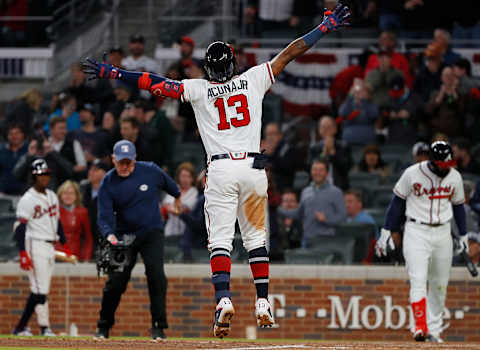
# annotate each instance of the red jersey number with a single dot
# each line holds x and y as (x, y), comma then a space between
(241, 109)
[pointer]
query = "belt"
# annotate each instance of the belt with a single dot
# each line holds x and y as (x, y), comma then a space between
(233, 155)
(44, 240)
(424, 223)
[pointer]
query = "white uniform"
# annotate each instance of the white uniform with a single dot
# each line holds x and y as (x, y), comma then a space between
(427, 241)
(41, 213)
(229, 118)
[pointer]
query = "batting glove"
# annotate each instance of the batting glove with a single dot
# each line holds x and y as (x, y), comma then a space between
(100, 70)
(333, 20)
(384, 243)
(461, 245)
(25, 261)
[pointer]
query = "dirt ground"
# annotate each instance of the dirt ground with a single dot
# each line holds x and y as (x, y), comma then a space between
(136, 344)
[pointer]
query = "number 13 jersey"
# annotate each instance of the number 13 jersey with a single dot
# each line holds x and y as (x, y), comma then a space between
(229, 115)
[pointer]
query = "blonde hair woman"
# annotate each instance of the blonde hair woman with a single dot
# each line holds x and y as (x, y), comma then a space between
(75, 220)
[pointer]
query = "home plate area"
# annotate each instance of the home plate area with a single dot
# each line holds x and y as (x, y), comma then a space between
(191, 344)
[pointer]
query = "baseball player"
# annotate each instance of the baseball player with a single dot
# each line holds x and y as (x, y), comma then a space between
(429, 194)
(228, 112)
(37, 229)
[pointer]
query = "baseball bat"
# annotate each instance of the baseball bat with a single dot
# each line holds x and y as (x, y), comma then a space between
(61, 256)
(470, 265)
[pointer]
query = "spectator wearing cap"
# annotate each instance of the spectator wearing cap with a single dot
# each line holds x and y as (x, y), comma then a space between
(138, 61)
(380, 77)
(89, 191)
(335, 151)
(186, 46)
(401, 112)
(10, 153)
(78, 85)
(429, 77)
(387, 42)
(443, 38)
(461, 152)
(463, 71)
(67, 110)
(446, 107)
(90, 137)
(420, 152)
(358, 115)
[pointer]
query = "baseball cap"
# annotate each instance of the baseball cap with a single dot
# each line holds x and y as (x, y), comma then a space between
(116, 49)
(124, 149)
(137, 38)
(98, 163)
(420, 147)
(187, 40)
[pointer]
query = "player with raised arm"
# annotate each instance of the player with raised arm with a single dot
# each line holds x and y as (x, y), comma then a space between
(429, 194)
(228, 112)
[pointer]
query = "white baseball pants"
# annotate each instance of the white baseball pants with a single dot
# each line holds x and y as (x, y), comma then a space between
(235, 190)
(428, 255)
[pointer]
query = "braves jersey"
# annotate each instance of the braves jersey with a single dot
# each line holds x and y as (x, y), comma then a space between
(429, 198)
(40, 212)
(229, 115)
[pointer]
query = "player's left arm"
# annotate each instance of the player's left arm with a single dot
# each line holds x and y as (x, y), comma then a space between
(156, 84)
(332, 21)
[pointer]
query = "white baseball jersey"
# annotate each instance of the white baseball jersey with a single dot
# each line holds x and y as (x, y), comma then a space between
(229, 115)
(41, 213)
(430, 197)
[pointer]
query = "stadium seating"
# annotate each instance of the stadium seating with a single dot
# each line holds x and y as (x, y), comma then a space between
(380, 196)
(189, 152)
(8, 250)
(341, 246)
(378, 215)
(308, 257)
(362, 235)
(301, 180)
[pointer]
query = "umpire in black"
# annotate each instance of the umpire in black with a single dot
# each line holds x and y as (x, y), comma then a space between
(128, 200)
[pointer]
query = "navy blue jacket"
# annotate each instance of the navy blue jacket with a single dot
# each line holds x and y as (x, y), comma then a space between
(130, 205)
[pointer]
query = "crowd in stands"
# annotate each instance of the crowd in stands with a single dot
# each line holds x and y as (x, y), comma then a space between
(388, 102)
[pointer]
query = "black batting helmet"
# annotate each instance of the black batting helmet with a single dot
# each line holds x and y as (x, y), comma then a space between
(219, 62)
(441, 157)
(40, 167)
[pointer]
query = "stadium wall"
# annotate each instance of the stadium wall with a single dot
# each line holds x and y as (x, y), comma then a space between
(310, 302)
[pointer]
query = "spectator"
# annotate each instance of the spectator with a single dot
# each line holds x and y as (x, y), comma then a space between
(244, 61)
(157, 132)
(170, 106)
(461, 152)
(10, 153)
(281, 154)
(358, 116)
(390, 12)
(89, 191)
(61, 168)
(463, 71)
(420, 152)
(343, 81)
(123, 98)
(90, 137)
(372, 162)
(446, 106)
(380, 78)
(184, 177)
(25, 110)
(429, 77)
(78, 86)
(138, 61)
(466, 25)
(290, 230)
(111, 131)
(68, 147)
(274, 16)
(195, 234)
(186, 46)
(354, 205)
(401, 112)
(67, 110)
(303, 14)
(321, 206)
(130, 130)
(336, 152)
(442, 37)
(387, 42)
(75, 221)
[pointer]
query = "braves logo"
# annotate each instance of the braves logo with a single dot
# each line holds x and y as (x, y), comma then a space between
(432, 193)
(38, 211)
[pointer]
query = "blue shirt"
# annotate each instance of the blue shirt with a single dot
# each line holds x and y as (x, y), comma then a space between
(73, 122)
(9, 184)
(129, 205)
(363, 218)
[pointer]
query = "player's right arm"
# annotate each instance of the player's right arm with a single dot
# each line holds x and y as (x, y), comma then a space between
(332, 21)
(156, 84)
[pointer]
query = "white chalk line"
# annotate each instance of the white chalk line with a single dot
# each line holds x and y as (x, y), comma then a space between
(265, 347)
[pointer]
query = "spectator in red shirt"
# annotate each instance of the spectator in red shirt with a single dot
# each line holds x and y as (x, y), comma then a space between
(75, 221)
(387, 42)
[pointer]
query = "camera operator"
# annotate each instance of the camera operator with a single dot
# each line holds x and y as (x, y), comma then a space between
(128, 200)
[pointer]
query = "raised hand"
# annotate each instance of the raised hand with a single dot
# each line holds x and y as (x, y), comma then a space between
(100, 70)
(333, 20)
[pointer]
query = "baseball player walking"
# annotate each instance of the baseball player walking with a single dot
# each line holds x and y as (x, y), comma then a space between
(228, 111)
(429, 194)
(37, 229)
